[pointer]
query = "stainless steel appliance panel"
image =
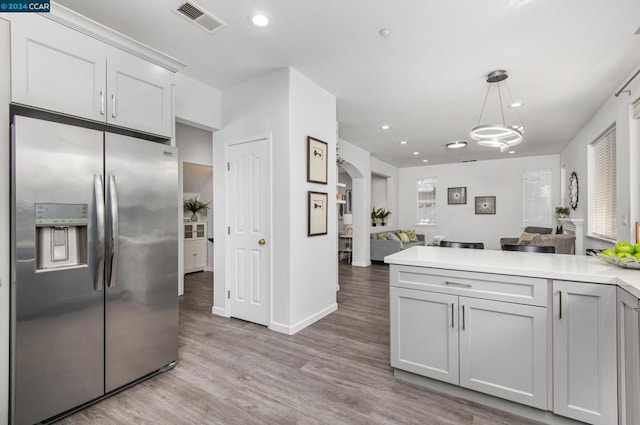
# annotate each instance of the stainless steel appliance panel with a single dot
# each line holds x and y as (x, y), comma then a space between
(57, 313)
(141, 320)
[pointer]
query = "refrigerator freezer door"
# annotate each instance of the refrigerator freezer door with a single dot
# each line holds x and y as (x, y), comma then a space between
(57, 315)
(142, 303)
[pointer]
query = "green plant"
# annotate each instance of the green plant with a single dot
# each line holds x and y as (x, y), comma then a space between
(562, 211)
(195, 206)
(383, 214)
(375, 215)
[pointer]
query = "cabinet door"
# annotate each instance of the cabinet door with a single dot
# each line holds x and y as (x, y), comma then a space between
(424, 333)
(503, 350)
(139, 94)
(56, 68)
(200, 255)
(584, 352)
(189, 256)
(628, 358)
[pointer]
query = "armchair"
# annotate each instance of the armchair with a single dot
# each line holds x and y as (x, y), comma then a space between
(528, 229)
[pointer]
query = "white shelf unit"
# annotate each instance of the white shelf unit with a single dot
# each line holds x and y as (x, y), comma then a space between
(195, 247)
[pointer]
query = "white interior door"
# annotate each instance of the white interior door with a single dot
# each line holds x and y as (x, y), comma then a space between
(249, 222)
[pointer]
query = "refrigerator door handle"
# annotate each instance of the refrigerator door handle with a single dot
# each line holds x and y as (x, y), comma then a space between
(113, 203)
(98, 192)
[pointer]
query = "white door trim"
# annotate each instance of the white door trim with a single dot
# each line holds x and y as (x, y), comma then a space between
(227, 246)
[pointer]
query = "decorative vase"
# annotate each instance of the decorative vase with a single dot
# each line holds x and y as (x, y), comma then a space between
(194, 217)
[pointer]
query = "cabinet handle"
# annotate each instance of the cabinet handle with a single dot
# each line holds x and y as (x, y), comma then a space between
(452, 316)
(101, 102)
(466, 285)
(113, 105)
(560, 305)
(463, 320)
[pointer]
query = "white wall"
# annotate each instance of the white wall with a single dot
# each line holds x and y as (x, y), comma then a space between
(614, 110)
(287, 107)
(196, 103)
(358, 165)
(500, 178)
(391, 173)
(4, 219)
(312, 113)
(379, 191)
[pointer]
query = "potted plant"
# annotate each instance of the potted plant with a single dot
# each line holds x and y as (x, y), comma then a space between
(195, 206)
(375, 215)
(383, 216)
(562, 212)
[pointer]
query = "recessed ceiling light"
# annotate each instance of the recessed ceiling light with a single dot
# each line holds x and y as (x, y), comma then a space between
(512, 152)
(416, 153)
(516, 104)
(260, 20)
(385, 127)
(384, 32)
(425, 160)
(403, 142)
(457, 144)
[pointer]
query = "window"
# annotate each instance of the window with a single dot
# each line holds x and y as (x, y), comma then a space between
(536, 196)
(426, 201)
(602, 186)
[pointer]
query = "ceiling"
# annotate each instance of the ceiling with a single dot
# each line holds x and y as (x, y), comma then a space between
(427, 78)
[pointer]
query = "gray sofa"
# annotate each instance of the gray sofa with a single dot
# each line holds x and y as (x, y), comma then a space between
(564, 243)
(381, 248)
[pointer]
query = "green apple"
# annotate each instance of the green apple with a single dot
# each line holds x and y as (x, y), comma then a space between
(637, 255)
(622, 255)
(637, 247)
(608, 252)
(625, 247)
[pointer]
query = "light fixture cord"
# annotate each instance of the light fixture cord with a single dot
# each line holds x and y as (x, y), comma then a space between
(484, 104)
(517, 112)
(501, 107)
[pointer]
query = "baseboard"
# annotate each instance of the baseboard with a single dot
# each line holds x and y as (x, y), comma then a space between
(208, 269)
(293, 329)
(361, 264)
(219, 311)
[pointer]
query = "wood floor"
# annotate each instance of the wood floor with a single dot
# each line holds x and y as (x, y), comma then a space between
(333, 372)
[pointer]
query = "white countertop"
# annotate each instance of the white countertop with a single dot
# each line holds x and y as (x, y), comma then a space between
(579, 268)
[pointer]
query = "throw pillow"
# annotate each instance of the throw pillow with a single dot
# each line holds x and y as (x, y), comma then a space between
(383, 236)
(403, 237)
(412, 235)
(392, 237)
(526, 238)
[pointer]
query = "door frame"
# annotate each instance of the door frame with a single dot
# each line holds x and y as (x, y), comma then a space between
(227, 249)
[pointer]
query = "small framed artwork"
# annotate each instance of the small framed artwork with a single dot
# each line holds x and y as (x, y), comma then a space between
(316, 160)
(349, 202)
(317, 213)
(485, 204)
(457, 195)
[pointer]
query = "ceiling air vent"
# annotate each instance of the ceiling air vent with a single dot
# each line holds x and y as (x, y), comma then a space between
(199, 16)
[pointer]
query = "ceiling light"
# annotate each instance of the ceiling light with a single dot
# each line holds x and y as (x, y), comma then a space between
(516, 105)
(512, 152)
(385, 127)
(260, 20)
(457, 144)
(499, 136)
(416, 153)
(403, 142)
(425, 160)
(384, 32)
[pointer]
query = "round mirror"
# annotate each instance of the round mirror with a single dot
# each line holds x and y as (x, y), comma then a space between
(573, 190)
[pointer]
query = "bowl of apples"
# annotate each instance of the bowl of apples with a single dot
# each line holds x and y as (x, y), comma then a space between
(625, 255)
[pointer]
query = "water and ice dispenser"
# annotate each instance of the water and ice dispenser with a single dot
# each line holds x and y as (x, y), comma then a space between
(61, 235)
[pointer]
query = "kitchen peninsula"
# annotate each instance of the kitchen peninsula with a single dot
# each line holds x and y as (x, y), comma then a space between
(556, 333)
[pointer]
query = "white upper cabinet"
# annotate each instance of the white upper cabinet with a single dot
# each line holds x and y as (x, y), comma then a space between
(63, 70)
(56, 68)
(139, 94)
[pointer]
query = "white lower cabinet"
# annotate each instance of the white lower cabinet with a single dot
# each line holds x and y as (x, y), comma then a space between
(494, 347)
(584, 352)
(195, 256)
(628, 358)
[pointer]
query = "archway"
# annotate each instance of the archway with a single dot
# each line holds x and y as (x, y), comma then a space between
(360, 249)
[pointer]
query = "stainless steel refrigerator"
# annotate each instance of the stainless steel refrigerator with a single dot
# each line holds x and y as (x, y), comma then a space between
(94, 264)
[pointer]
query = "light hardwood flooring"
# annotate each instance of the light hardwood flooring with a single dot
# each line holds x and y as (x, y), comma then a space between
(334, 372)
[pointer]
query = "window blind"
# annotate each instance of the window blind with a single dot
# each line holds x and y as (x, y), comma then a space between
(636, 109)
(536, 196)
(426, 211)
(602, 202)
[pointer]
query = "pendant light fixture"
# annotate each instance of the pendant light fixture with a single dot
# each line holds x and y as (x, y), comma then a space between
(500, 136)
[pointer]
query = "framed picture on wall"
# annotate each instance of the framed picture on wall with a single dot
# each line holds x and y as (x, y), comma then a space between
(317, 213)
(457, 195)
(317, 152)
(349, 202)
(485, 204)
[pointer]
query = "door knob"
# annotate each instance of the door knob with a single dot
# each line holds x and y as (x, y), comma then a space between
(262, 242)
